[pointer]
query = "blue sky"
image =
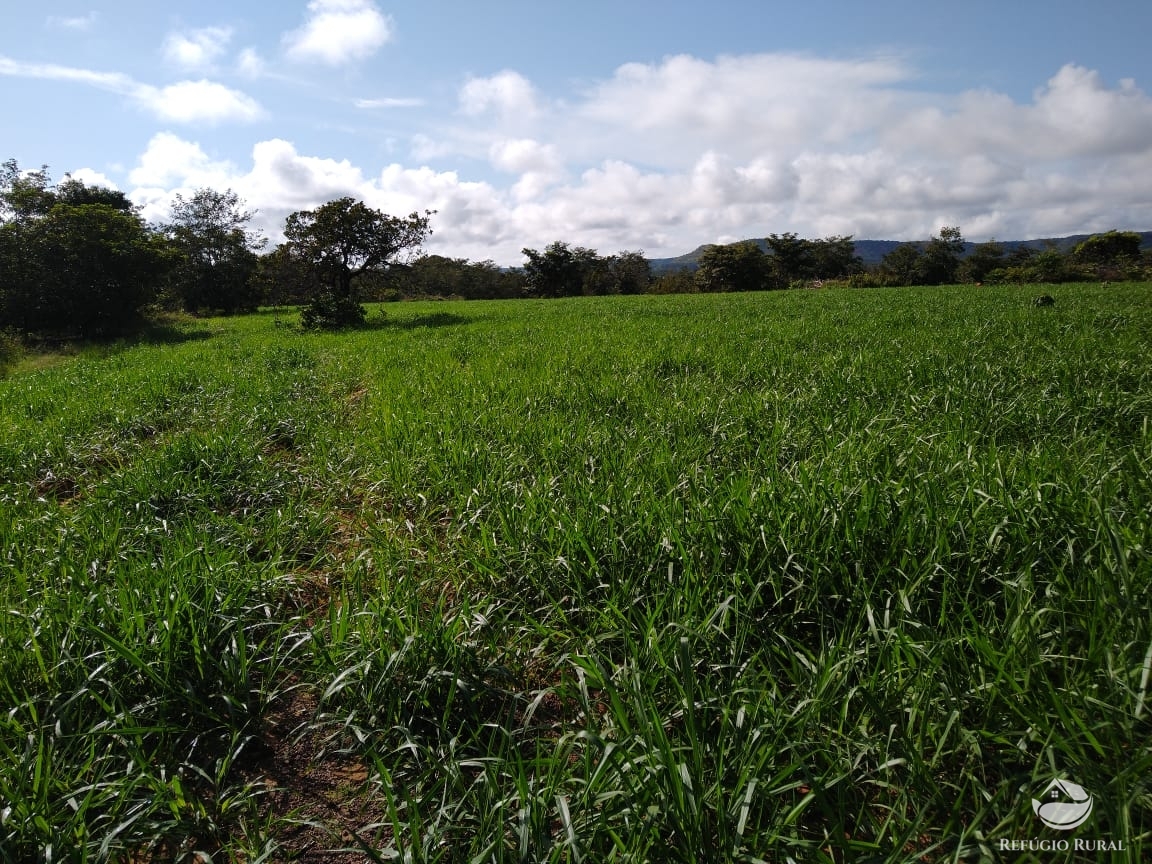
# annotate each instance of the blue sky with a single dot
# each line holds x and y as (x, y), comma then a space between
(615, 125)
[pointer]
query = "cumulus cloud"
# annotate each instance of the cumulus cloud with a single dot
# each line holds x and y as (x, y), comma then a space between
(197, 49)
(198, 101)
(1074, 115)
(91, 177)
(183, 102)
(741, 106)
(669, 155)
(339, 31)
(507, 93)
(169, 160)
(281, 180)
(538, 165)
(521, 155)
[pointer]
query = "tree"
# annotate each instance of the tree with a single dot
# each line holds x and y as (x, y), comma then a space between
(342, 240)
(792, 258)
(679, 281)
(902, 264)
(437, 275)
(981, 261)
(631, 272)
(560, 270)
(282, 279)
(733, 267)
(1112, 255)
(24, 194)
(941, 261)
(835, 258)
(78, 271)
(218, 252)
(75, 260)
(76, 192)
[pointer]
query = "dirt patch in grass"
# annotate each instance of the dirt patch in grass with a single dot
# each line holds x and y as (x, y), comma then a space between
(323, 800)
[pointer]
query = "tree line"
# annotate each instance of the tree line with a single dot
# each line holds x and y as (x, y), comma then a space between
(1112, 255)
(79, 261)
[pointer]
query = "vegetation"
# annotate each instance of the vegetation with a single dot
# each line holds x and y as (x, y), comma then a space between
(77, 262)
(74, 261)
(561, 271)
(217, 253)
(341, 241)
(789, 576)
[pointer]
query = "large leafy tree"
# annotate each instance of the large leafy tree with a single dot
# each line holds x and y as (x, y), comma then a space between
(902, 264)
(631, 272)
(217, 252)
(733, 267)
(345, 239)
(792, 258)
(941, 262)
(24, 194)
(75, 260)
(982, 260)
(78, 271)
(565, 271)
(835, 257)
(562, 271)
(1111, 255)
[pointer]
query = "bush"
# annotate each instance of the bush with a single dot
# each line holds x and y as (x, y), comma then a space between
(331, 311)
(11, 349)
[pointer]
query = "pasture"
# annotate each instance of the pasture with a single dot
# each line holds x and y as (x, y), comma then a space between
(830, 576)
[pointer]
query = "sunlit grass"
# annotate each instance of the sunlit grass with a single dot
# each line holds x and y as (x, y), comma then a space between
(811, 576)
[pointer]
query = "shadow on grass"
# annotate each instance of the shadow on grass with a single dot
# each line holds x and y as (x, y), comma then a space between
(434, 319)
(383, 322)
(274, 311)
(152, 332)
(164, 333)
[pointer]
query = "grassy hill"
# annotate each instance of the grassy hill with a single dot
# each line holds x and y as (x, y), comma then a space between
(812, 576)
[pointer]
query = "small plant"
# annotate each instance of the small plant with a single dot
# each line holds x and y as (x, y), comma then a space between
(11, 349)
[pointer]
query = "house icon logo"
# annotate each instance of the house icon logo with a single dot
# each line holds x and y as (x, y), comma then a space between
(1063, 805)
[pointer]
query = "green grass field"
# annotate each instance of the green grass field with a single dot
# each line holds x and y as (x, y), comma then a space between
(833, 576)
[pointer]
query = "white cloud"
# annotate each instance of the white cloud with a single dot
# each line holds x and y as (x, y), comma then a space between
(339, 31)
(197, 49)
(90, 177)
(389, 102)
(198, 102)
(666, 156)
(508, 94)
(538, 165)
(743, 106)
(170, 161)
(1074, 115)
(521, 155)
(114, 81)
(183, 102)
(78, 22)
(249, 63)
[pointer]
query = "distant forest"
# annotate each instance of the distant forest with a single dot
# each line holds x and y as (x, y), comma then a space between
(79, 261)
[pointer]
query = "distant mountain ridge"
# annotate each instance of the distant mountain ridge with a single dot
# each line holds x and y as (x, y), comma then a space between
(872, 252)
